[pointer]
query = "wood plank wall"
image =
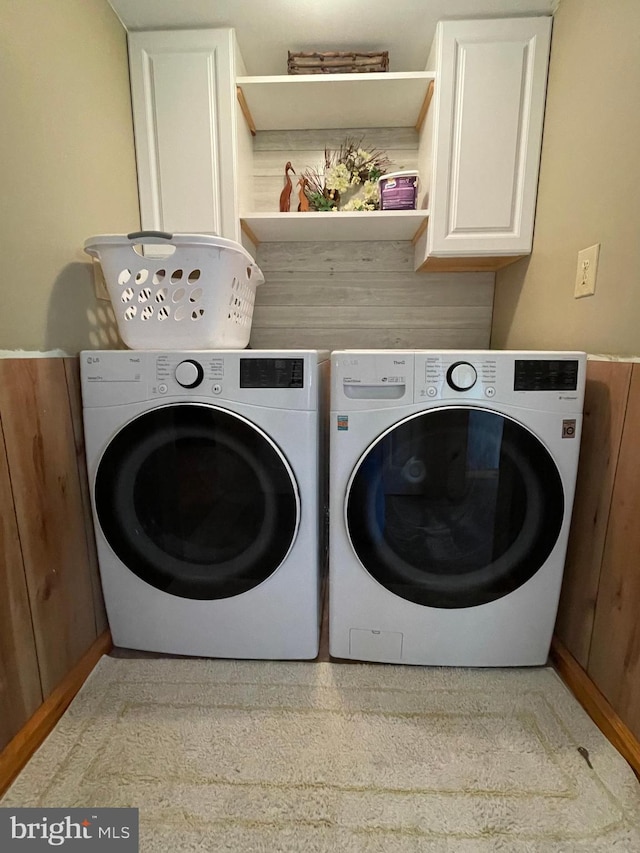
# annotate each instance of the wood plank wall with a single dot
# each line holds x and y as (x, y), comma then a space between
(20, 690)
(48, 567)
(366, 295)
(598, 616)
(305, 149)
(356, 294)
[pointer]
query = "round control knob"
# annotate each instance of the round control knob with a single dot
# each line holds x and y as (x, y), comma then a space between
(461, 376)
(189, 374)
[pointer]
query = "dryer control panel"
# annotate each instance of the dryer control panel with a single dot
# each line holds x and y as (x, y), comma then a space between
(280, 379)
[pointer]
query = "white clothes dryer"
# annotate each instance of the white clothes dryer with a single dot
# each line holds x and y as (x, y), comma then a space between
(207, 480)
(452, 482)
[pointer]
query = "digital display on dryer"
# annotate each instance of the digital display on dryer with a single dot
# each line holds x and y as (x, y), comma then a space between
(272, 373)
(546, 375)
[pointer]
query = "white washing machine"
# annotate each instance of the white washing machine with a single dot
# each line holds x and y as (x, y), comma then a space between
(452, 483)
(206, 471)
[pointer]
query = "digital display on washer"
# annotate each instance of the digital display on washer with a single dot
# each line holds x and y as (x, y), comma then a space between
(546, 375)
(272, 373)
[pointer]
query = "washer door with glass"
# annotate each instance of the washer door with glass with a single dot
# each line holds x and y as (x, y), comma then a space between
(197, 501)
(454, 507)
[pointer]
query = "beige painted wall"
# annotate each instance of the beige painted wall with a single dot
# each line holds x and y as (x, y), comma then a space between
(589, 191)
(67, 167)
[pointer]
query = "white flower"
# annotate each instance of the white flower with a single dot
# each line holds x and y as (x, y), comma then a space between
(353, 204)
(370, 192)
(338, 178)
(359, 204)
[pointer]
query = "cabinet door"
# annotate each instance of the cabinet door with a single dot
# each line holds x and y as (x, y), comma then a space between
(184, 103)
(490, 97)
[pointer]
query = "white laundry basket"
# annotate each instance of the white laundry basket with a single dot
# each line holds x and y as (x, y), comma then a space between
(178, 291)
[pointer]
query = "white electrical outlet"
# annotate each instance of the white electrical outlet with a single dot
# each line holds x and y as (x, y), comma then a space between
(587, 271)
(99, 284)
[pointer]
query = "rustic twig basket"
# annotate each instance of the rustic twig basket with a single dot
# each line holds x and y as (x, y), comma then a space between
(336, 62)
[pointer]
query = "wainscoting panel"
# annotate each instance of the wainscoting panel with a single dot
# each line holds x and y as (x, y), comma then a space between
(42, 457)
(614, 659)
(366, 295)
(600, 601)
(20, 692)
(605, 405)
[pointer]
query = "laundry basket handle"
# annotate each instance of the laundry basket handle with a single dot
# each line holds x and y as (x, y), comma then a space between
(256, 274)
(163, 235)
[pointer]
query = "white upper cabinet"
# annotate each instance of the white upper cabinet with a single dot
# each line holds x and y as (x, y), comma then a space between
(488, 118)
(476, 114)
(184, 112)
(294, 117)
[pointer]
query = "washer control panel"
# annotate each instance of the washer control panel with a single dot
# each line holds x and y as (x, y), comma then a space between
(372, 379)
(449, 375)
(189, 373)
(461, 376)
(383, 376)
(498, 376)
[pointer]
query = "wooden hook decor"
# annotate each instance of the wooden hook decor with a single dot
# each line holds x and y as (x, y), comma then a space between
(285, 195)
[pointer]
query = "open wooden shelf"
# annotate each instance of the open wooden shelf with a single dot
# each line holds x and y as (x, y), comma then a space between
(317, 101)
(341, 226)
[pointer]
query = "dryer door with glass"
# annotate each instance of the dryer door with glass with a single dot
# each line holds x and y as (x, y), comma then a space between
(197, 501)
(454, 507)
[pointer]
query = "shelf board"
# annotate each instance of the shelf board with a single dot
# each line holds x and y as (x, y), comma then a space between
(318, 101)
(341, 226)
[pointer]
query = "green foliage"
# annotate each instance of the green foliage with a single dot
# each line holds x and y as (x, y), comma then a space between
(319, 202)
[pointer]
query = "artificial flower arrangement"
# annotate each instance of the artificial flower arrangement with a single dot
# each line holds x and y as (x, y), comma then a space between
(349, 180)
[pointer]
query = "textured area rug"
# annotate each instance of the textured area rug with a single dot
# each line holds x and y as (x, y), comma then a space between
(250, 756)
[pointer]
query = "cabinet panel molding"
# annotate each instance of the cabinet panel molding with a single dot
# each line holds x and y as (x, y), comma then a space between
(486, 168)
(183, 136)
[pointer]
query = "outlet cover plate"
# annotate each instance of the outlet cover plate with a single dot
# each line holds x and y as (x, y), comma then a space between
(587, 271)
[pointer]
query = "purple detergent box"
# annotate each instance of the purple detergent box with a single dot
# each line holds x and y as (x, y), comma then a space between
(398, 191)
